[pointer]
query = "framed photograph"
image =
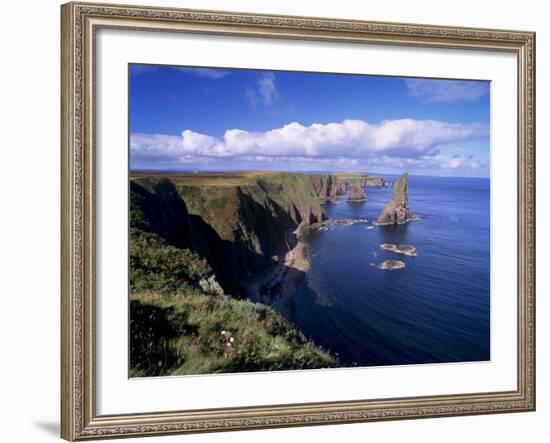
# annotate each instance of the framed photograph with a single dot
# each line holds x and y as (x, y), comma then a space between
(282, 221)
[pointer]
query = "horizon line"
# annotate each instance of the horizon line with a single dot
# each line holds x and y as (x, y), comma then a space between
(232, 171)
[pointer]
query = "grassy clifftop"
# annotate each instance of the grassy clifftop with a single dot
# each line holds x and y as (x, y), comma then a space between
(222, 199)
(190, 333)
(177, 328)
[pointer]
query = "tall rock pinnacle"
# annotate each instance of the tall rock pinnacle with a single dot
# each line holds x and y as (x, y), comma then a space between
(397, 210)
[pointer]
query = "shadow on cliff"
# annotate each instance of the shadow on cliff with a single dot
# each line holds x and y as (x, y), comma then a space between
(269, 223)
(262, 232)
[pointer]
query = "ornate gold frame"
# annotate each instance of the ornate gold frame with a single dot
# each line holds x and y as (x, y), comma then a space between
(79, 420)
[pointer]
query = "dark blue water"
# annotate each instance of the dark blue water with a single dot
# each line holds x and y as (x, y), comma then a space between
(437, 309)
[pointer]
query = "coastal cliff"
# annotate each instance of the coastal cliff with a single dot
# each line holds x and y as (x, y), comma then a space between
(241, 224)
(196, 241)
(327, 187)
(397, 211)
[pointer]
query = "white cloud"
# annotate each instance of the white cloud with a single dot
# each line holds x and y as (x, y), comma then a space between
(265, 91)
(446, 91)
(398, 144)
(350, 138)
(155, 147)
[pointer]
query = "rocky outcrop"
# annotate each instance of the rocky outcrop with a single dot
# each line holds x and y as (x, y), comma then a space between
(327, 187)
(357, 194)
(401, 249)
(406, 250)
(397, 210)
(391, 264)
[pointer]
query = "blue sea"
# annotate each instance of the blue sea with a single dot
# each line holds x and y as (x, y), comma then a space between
(435, 310)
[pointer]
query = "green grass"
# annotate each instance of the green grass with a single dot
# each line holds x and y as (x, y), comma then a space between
(176, 329)
(154, 265)
(181, 334)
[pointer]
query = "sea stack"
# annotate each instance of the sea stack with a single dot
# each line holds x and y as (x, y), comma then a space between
(397, 210)
(357, 194)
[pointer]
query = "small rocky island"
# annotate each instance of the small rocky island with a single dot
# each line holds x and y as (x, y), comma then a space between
(357, 194)
(397, 211)
(401, 249)
(391, 264)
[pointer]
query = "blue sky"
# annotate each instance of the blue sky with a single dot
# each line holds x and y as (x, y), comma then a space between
(227, 119)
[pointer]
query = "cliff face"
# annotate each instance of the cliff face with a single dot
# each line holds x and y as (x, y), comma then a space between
(239, 226)
(357, 194)
(397, 210)
(327, 187)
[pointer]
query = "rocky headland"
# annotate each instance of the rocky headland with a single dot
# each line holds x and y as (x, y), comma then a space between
(397, 211)
(242, 224)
